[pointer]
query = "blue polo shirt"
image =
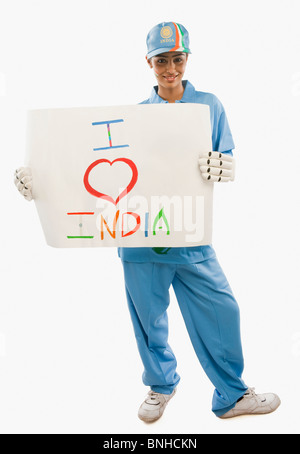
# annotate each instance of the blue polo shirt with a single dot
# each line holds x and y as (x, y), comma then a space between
(222, 141)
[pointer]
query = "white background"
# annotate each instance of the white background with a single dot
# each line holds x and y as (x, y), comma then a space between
(68, 358)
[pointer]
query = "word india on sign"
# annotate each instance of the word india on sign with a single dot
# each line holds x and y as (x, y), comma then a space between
(121, 175)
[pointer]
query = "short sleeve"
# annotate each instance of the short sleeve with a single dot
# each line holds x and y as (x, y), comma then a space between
(221, 134)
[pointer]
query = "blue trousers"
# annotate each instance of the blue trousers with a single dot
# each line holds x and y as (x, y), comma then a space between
(211, 316)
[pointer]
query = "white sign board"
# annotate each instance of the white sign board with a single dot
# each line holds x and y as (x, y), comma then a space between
(121, 175)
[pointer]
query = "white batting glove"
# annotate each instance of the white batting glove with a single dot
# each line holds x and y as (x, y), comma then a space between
(23, 182)
(217, 167)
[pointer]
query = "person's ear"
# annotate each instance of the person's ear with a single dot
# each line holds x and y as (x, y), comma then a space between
(149, 61)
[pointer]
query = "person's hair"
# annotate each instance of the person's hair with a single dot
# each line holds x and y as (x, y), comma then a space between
(149, 59)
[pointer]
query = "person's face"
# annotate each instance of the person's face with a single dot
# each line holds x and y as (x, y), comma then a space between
(169, 68)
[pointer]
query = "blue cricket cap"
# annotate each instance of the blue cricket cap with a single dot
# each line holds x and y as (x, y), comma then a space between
(167, 37)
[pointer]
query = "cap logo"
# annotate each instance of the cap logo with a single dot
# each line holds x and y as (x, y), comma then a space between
(166, 32)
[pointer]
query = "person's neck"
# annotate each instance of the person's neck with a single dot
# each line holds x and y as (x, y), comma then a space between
(171, 94)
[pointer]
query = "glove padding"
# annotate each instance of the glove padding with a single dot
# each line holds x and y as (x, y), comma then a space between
(23, 182)
(217, 167)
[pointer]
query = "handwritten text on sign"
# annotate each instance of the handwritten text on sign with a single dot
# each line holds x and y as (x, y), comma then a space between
(121, 176)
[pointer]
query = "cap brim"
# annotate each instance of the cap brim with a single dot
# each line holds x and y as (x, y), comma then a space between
(164, 49)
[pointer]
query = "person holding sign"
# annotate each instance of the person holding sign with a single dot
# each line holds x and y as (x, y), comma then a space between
(208, 306)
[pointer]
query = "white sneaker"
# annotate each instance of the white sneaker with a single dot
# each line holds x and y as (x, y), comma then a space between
(154, 405)
(254, 404)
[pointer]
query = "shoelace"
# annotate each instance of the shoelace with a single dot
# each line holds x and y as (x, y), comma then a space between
(152, 396)
(251, 393)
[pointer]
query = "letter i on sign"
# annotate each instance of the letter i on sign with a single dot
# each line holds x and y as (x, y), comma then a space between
(80, 214)
(108, 123)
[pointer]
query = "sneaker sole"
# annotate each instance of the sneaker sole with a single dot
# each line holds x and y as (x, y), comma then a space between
(276, 404)
(149, 420)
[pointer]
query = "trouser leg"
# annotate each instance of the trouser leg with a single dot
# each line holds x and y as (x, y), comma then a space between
(147, 291)
(211, 315)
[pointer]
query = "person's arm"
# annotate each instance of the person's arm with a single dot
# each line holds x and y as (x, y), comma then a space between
(219, 165)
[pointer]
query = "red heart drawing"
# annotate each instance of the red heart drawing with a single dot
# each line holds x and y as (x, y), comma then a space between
(95, 193)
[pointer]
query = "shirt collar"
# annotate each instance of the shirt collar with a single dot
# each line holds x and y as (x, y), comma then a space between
(188, 94)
